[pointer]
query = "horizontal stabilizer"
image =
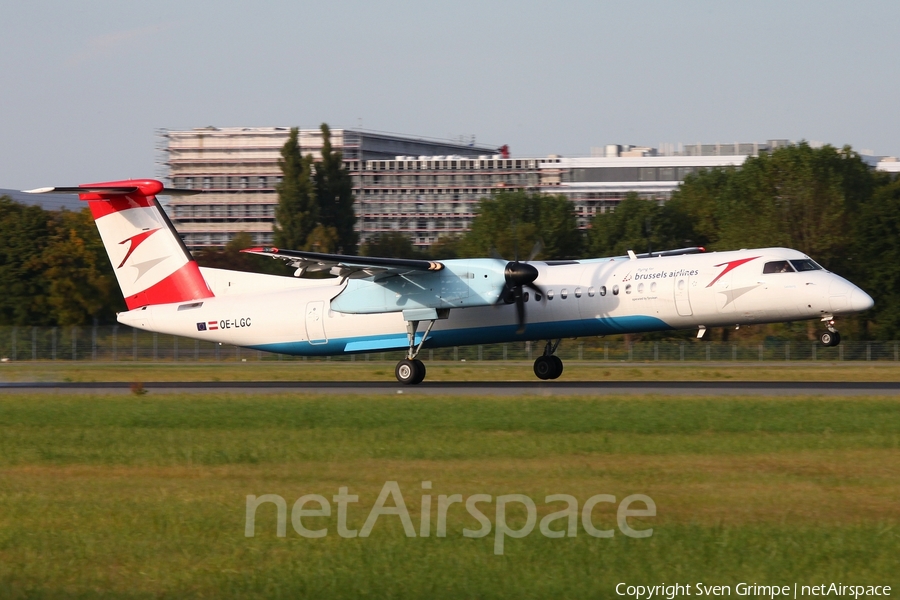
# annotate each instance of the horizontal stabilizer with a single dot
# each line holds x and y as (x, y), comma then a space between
(119, 190)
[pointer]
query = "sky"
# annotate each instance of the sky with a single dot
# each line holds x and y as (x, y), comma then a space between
(86, 85)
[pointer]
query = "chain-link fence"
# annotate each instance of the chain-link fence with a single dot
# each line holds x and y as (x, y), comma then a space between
(120, 343)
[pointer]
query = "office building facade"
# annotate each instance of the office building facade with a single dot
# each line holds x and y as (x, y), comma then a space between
(424, 189)
(237, 170)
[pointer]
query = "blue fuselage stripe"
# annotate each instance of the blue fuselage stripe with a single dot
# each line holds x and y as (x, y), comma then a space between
(473, 335)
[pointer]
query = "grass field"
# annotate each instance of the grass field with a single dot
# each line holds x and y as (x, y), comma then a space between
(145, 497)
(322, 370)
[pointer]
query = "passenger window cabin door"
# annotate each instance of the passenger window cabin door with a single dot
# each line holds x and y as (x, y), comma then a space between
(682, 296)
(315, 322)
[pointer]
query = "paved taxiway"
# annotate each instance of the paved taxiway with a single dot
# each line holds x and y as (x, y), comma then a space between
(479, 388)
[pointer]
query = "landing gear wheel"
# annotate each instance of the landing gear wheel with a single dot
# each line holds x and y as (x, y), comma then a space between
(544, 367)
(830, 338)
(421, 371)
(548, 367)
(410, 372)
(558, 365)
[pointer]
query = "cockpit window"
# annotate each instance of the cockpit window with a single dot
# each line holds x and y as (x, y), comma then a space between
(806, 265)
(778, 266)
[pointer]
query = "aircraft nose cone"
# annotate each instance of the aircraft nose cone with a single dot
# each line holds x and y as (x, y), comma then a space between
(860, 301)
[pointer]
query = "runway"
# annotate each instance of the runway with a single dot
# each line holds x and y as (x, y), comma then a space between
(477, 388)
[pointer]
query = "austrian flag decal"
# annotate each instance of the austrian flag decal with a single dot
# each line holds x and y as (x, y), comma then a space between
(211, 326)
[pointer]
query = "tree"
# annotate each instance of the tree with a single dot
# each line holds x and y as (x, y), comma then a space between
(614, 233)
(877, 245)
(230, 257)
(510, 223)
(81, 285)
(334, 193)
(297, 212)
(54, 269)
(797, 196)
(24, 231)
(446, 247)
(323, 239)
(391, 245)
(639, 225)
(701, 200)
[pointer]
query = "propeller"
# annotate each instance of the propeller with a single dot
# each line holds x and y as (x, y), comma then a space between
(519, 275)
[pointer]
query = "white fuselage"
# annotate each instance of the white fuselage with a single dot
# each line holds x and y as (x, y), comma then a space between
(584, 298)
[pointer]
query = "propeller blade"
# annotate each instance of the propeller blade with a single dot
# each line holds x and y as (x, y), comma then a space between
(518, 275)
(520, 310)
(538, 246)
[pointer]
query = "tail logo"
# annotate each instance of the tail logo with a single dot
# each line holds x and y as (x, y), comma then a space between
(136, 240)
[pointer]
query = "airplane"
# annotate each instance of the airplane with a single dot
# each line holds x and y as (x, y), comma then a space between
(373, 304)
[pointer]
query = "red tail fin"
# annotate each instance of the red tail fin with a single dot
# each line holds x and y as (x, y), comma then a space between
(151, 263)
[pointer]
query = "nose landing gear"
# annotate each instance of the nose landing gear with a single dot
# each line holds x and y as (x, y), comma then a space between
(830, 337)
(548, 365)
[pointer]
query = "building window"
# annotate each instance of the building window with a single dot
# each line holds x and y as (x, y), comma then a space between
(648, 173)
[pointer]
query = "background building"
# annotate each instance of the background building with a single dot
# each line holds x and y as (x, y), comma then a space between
(237, 168)
(426, 197)
(889, 164)
(423, 188)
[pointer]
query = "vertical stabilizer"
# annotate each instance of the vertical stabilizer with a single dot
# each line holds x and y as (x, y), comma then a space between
(151, 263)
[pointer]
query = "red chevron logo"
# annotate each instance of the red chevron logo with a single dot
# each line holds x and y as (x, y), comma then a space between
(729, 266)
(136, 240)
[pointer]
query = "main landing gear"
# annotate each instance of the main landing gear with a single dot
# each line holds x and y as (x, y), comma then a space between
(411, 370)
(830, 337)
(548, 365)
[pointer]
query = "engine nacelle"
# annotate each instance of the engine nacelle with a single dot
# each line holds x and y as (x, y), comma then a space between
(460, 284)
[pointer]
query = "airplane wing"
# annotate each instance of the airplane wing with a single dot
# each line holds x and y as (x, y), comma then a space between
(352, 267)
